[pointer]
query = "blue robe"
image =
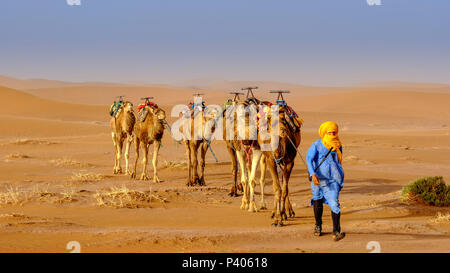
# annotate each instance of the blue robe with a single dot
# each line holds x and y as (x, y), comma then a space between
(330, 175)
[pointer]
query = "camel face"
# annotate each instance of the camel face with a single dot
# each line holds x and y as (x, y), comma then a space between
(122, 125)
(196, 141)
(147, 132)
(283, 157)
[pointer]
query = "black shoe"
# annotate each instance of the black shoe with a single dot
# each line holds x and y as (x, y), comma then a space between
(338, 236)
(318, 231)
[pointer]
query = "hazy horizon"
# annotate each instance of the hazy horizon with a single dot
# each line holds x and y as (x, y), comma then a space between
(316, 43)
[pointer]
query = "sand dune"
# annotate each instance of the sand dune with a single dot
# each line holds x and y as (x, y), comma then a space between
(378, 108)
(402, 104)
(22, 104)
(44, 83)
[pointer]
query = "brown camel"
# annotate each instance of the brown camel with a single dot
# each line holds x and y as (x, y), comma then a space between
(147, 132)
(283, 156)
(198, 140)
(122, 124)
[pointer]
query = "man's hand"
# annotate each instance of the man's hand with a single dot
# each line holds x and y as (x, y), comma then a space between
(315, 180)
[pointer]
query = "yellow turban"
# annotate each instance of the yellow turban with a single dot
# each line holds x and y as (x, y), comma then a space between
(330, 141)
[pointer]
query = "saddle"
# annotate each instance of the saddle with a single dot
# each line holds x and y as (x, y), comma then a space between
(292, 119)
(115, 107)
(142, 114)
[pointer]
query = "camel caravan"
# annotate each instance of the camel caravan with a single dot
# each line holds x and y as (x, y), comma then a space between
(257, 134)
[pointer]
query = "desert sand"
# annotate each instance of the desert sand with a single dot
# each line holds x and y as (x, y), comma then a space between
(56, 165)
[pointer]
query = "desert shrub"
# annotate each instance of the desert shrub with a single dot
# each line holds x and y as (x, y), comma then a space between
(430, 190)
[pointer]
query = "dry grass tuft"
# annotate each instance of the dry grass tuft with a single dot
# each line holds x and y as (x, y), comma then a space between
(16, 156)
(14, 196)
(67, 196)
(31, 142)
(122, 197)
(42, 193)
(175, 164)
(441, 218)
(67, 162)
(88, 177)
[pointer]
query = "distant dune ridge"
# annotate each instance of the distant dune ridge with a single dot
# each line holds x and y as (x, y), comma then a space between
(389, 105)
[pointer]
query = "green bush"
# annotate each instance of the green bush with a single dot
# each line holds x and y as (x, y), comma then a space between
(430, 190)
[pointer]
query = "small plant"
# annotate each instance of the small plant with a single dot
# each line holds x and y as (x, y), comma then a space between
(14, 196)
(16, 156)
(67, 162)
(175, 164)
(429, 190)
(441, 218)
(87, 177)
(122, 197)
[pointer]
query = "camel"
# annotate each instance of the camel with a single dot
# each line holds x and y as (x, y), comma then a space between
(283, 156)
(243, 151)
(122, 124)
(147, 132)
(195, 143)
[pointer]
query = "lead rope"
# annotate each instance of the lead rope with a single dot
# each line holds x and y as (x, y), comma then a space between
(304, 162)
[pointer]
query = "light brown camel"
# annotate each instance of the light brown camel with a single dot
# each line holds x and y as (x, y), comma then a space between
(242, 150)
(147, 132)
(283, 156)
(122, 124)
(197, 120)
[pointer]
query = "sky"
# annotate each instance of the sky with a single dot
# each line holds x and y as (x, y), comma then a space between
(312, 42)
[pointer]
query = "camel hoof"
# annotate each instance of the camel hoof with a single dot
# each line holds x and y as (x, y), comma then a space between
(252, 207)
(244, 205)
(278, 223)
(156, 179)
(119, 171)
(201, 182)
(144, 177)
(273, 215)
(263, 206)
(291, 214)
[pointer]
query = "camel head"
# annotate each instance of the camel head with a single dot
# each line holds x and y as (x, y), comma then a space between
(127, 107)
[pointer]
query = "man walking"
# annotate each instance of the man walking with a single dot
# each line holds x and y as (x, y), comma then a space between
(324, 159)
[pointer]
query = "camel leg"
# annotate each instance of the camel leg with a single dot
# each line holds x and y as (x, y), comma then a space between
(113, 135)
(137, 143)
(276, 191)
(234, 188)
(156, 147)
(144, 175)
(127, 154)
(262, 181)
(194, 162)
(251, 181)
(204, 150)
(119, 155)
(188, 154)
(242, 163)
(285, 189)
(287, 204)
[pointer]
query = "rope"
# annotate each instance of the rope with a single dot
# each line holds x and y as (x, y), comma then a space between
(212, 152)
(304, 162)
(247, 152)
